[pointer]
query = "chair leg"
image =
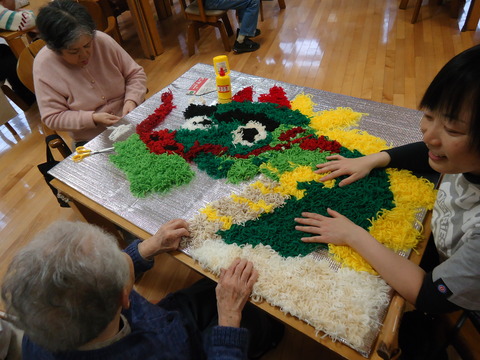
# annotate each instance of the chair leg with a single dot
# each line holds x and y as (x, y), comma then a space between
(223, 33)
(454, 8)
(15, 98)
(11, 129)
(281, 4)
(261, 10)
(403, 4)
(416, 11)
(228, 26)
(192, 29)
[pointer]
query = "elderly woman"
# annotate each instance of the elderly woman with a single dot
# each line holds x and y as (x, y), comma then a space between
(84, 80)
(71, 290)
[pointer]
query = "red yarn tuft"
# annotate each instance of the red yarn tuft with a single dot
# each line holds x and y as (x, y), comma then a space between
(153, 120)
(276, 95)
(321, 144)
(206, 148)
(289, 134)
(244, 95)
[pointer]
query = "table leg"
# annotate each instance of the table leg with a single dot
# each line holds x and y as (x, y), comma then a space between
(164, 8)
(146, 28)
(403, 4)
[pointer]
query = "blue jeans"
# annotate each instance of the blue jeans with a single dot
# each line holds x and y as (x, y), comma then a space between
(247, 11)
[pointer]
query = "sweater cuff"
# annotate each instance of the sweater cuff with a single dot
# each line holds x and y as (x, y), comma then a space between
(87, 119)
(230, 337)
(140, 264)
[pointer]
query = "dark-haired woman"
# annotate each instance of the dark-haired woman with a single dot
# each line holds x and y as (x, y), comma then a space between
(84, 80)
(451, 146)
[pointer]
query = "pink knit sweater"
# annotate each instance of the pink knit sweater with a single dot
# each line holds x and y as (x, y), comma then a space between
(68, 95)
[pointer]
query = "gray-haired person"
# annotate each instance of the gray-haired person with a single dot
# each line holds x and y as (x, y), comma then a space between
(71, 291)
(84, 81)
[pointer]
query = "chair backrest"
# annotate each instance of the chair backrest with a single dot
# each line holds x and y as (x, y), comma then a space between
(196, 11)
(198, 17)
(103, 17)
(25, 63)
(25, 74)
(464, 344)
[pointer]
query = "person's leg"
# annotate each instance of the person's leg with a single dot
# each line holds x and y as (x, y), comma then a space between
(265, 331)
(8, 71)
(198, 304)
(247, 11)
(419, 337)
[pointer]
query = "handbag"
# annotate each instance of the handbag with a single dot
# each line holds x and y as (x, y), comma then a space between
(49, 164)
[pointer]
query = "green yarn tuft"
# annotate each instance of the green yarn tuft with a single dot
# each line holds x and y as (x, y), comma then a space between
(242, 170)
(147, 172)
(277, 229)
(289, 159)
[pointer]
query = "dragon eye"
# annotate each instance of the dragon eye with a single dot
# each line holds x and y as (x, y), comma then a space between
(249, 134)
(197, 122)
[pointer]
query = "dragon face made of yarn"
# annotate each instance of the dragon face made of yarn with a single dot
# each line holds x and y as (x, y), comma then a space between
(282, 141)
(273, 145)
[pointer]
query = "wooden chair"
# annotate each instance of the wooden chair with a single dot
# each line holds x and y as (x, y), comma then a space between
(7, 112)
(454, 8)
(462, 345)
(281, 4)
(103, 16)
(199, 17)
(25, 74)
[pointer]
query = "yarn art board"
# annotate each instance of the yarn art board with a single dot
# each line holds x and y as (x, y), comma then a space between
(273, 146)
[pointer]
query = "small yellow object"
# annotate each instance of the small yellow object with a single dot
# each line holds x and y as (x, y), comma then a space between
(222, 70)
(83, 152)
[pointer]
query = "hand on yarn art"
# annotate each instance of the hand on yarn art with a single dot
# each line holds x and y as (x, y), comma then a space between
(337, 229)
(105, 118)
(233, 290)
(356, 168)
(166, 239)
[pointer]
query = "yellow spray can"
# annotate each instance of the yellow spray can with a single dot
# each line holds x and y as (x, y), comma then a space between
(222, 70)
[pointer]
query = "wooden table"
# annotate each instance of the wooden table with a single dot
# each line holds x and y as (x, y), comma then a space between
(385, 346)
(16, 39)
(94, 203)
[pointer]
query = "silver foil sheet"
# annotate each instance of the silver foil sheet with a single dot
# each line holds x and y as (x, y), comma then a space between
(98, 179)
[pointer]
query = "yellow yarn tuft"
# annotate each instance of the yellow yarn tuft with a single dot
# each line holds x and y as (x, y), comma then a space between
(212, 215)
(260, 206)
(355, 139)
(338, 118)
(304, 104)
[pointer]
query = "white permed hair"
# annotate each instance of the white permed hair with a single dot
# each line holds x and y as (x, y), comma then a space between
(65, 287)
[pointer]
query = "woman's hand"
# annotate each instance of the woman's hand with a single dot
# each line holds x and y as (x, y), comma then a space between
(337, 229)
(167, 238)
(233, 290)
(128, 106)
(357, 168)
(104, 118)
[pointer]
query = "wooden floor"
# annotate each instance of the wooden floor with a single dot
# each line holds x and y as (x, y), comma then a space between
(366, 49)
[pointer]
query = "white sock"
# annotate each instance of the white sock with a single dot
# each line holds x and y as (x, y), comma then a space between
(16, 20)
(240, 38)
